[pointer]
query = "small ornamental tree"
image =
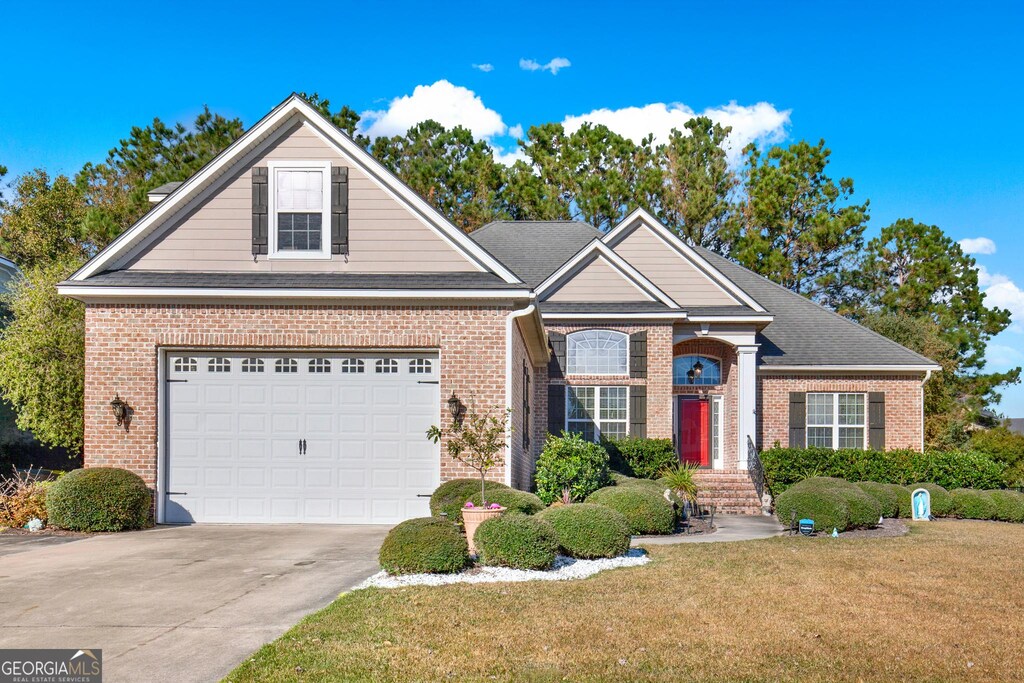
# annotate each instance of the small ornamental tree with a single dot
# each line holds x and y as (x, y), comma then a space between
(476, 439)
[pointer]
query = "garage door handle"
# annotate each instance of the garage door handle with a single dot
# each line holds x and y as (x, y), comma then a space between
(176, 493)
(424, 495)
(427, 381)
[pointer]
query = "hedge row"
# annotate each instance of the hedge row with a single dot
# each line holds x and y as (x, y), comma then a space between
(784, 467)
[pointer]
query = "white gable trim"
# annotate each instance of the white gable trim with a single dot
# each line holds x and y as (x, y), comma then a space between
(599, 249)
(266, 127)
(673, 241)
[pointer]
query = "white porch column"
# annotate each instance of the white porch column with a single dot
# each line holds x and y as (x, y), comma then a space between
(746, 362)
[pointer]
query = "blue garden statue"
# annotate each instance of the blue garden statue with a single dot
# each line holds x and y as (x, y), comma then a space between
(921, 505)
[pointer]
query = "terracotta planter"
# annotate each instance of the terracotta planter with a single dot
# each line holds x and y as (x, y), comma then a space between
(473, 518)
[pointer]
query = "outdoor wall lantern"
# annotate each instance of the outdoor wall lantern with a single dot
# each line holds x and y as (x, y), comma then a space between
(455, 407)
(120, 409)
(694, 373)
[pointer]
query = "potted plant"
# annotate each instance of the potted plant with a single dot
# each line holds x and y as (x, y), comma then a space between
(476, 439)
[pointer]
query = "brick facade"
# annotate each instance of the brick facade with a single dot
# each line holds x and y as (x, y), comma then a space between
(123, 340)
(904, 403)
(728, 390)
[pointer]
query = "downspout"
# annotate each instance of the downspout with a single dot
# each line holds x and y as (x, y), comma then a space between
(509, 321)
(927, 376)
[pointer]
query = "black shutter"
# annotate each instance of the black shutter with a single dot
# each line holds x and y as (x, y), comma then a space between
(556, 408)
(638, 411)
(339, 210)
(638, 355)
(556, 366)
(260, 206)
(797, 419)
(876, 420)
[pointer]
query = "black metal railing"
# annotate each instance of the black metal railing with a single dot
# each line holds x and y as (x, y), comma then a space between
(756, 467)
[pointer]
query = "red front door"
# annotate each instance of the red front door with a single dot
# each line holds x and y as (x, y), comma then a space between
(693, 432)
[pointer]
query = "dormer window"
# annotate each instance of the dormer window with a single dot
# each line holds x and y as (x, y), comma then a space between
(300, 209)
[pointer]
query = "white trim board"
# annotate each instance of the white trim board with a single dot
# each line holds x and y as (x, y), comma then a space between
(90, 292)
(294, 106)
(598, 249)
(640, 217)
(790, 369)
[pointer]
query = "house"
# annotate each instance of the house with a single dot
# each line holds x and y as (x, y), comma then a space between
(285, 325)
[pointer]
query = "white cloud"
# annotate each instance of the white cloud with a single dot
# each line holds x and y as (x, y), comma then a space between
(761, 122)
(987, 279)
(516, 131)
(1002, 357)
(508, 158)
(554, 66)
(978, 245)
(1006, 294)
(450, 105)
(486, 68)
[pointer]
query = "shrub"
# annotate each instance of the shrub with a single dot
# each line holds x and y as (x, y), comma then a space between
(518, 541)
(864, 509)
(1009, 505)
(646, 511)
(942, 502)
(823, 504)
(426, 545)
(99, 499)
(515, 501)
(1003, 446)
(972, 504)
(450, 496)
(884, 494)
(569, 462)
(678, 479)
(22, 498)
(589, 531)
(639, 457)
(902, 494)
(950, 469)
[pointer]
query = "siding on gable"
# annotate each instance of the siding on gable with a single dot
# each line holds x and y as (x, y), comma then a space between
(597, 282)
(384, 237)
(670, 271)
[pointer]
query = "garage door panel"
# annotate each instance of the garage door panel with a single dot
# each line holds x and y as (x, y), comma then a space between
(234, 436)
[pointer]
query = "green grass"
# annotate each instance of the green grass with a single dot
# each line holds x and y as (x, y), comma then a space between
(787, 608)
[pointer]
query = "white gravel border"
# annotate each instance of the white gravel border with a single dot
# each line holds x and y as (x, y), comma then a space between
(564, 569)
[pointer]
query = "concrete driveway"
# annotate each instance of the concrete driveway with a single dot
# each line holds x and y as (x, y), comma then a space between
(179, 603)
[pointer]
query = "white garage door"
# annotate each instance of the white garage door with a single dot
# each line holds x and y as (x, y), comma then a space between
(286, 437)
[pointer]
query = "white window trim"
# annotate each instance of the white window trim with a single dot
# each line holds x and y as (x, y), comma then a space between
(597, 407)
(835, 426)
(325, 224)
(623, 335)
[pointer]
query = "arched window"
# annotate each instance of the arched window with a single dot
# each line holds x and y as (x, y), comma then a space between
(696, 370)
(597, 352)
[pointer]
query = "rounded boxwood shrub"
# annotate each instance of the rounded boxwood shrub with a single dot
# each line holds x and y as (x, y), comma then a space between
(645, 510)
(518, 541)
(942, 502)
(972, 504)
(425, 545)
(570, 462)
(450, 496)
(885, 496)
(514, 500)
(864, 509)
(1009, 505)
(588, 531)
(99, 499)
(823, 504)
(641, 457)
(902, 498)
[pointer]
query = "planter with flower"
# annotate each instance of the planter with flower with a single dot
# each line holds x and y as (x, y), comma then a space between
(476, 439)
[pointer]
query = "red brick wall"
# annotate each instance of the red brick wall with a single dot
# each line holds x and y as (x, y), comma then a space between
(122, 342)
(728, 390)
(659, 373)
(903, 404)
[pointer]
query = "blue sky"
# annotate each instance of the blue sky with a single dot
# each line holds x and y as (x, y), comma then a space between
(920, 102)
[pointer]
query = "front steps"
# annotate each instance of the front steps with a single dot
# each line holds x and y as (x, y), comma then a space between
(732, 491)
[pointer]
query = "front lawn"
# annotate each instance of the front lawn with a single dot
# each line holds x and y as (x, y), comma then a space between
(942, 603)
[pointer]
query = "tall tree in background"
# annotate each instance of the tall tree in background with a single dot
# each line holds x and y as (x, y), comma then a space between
(346, 118)
(699, 184)
(597, 173)
(115, 191)
(918, 270)
(796, 227)
(3, 172)
(43, 222)
(455, 173)
(525, 196)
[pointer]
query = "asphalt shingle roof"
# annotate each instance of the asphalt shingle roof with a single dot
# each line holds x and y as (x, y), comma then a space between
(533, 250)
(166, 188)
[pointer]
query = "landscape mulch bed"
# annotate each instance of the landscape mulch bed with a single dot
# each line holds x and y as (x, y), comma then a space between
(15, 531)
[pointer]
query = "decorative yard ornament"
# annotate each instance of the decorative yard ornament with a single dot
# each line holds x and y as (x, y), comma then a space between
(921, 505)
(835, 532)
(120, 409)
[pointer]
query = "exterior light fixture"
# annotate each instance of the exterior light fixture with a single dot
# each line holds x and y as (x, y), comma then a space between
(120, 409)
(690, 374)
(455, 406)
(698, 369)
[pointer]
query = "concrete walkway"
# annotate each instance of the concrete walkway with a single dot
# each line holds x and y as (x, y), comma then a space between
(729, 528)
(179, 603)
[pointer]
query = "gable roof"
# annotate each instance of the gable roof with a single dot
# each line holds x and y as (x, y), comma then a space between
(185, 195)
(804, 333)
(598, 250)
(534, 249)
